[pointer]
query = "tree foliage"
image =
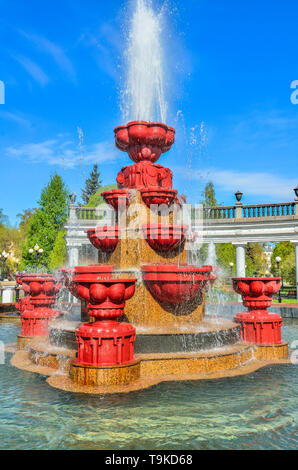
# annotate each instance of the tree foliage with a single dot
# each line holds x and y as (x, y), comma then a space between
(48, 219)
(58, 255)
(255, 259)
(92, 185)
(208, 195)
(286, 251)
(97, 199)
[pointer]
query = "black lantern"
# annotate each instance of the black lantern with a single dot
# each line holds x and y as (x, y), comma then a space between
(296, 191)
(239, 195)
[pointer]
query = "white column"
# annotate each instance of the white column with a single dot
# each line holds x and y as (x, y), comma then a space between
(295, 243)
(7, 294)
(73, 256)
(240, 259)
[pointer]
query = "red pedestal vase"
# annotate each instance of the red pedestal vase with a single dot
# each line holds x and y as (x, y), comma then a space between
(158, 196)
(104, 238)
(42, 289)
(165, 238)
(258, 326)
(144, 140)
(105, 342)
(117, 198)
(175, 284)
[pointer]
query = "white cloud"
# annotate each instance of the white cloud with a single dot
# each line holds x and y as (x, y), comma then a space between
(15, 118)
(64, 153)
(254, 183)
(34, 70)
(55, 51)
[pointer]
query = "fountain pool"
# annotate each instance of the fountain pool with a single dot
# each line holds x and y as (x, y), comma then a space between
(255, 411)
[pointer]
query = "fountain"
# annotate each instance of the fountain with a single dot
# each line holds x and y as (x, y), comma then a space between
(144, 304)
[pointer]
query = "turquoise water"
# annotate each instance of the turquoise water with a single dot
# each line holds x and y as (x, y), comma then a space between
(257, 411)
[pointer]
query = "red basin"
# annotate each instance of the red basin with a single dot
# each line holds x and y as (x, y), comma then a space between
(117, 198)
(158, 196)
(175, 284)
(144, 140)
(42, 288)
(164, 238)
(106, 296)
(257, 292)
(104, 238)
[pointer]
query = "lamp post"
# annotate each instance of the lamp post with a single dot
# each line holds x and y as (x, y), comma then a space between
(37, 251)
(231, 266)
(296, 191)
(278, 261)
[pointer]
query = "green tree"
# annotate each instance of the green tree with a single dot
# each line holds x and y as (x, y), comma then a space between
(97, 199)
(92, 184)
(25, 218)
(208, 195)
(226, 254)
(48, 219)
(255, 259)
(286, 251)
(58, 255)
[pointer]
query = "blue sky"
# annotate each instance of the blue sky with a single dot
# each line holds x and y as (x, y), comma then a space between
(229, 68)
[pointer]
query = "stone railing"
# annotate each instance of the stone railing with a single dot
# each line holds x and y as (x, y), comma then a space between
(84, 213)
(239, 211)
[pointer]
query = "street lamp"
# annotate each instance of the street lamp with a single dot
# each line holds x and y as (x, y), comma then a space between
(278, 261)
(37, 251)
(231, 266)
(296, 191)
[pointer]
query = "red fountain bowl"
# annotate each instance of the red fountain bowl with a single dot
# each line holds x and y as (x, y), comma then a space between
(117, 198)
(158, 196)
(257, 292)
(42, 288)
(175, 284)
(164, 238)
(144, 140)
(104, 238)
(106, 296)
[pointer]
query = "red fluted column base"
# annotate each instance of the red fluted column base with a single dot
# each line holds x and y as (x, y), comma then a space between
(35, 322)
(262, 328)
(105, 343)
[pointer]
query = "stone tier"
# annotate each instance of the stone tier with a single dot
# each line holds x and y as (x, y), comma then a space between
(206, 335)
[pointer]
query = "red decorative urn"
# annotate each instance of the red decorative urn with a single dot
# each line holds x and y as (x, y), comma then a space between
(42, 290)
(164, 238)
(104, 342)
(117, 198)
(104, 238)
(258, 326)
(144, 141)
(175, 284)
(159, 196)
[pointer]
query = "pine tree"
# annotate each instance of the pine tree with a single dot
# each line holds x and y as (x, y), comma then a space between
(48, 219)
(92, 184)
